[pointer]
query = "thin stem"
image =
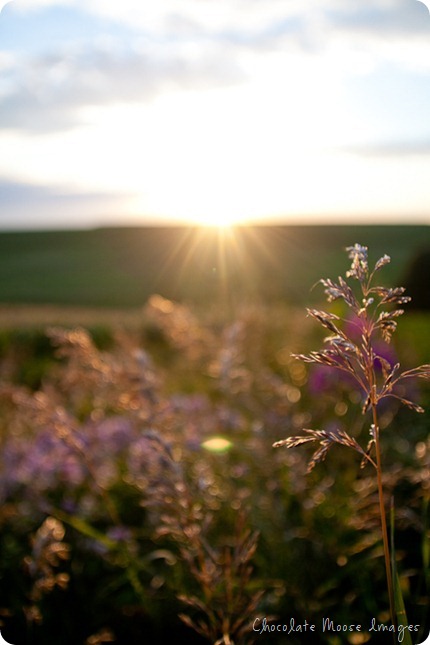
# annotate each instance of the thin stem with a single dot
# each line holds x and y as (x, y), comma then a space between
(383, 518)
(371, 378)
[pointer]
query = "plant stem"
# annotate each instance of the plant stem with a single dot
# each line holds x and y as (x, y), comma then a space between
(383, 519)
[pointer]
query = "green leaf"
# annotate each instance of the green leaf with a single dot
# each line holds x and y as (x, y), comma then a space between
(399, 605)
(402, 619)
(86, 529)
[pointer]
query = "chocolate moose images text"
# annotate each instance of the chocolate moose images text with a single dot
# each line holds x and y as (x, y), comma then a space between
(264, 626)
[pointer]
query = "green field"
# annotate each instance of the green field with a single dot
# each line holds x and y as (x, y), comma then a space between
(122, 267)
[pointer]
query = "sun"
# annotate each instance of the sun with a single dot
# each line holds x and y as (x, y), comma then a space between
(220, 221)
(198, 158)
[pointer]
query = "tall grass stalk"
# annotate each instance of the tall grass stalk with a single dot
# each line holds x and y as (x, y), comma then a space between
(353, 348)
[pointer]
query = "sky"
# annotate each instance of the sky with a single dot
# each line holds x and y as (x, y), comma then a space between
(213, 111)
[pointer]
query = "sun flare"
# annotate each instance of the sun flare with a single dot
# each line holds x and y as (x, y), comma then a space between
(211, 165)
(220, 221)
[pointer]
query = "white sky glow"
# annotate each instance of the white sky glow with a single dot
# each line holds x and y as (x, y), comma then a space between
(214, 112)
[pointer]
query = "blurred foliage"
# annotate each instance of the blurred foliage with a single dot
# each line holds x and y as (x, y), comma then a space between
(139, 483)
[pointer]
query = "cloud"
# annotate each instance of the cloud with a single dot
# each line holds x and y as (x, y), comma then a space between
(250, 15)
(381, 18)
(101, 52)
(44, 91)
(391, 149)
(48, 94)
(243, 21)
(24, 204)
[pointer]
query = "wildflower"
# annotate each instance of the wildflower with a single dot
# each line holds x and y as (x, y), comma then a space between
(359, 352)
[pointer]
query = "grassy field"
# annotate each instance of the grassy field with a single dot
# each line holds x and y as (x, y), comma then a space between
(139, 483)
(120, 268)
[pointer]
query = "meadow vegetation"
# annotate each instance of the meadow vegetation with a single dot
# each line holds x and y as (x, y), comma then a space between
(142, 497)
